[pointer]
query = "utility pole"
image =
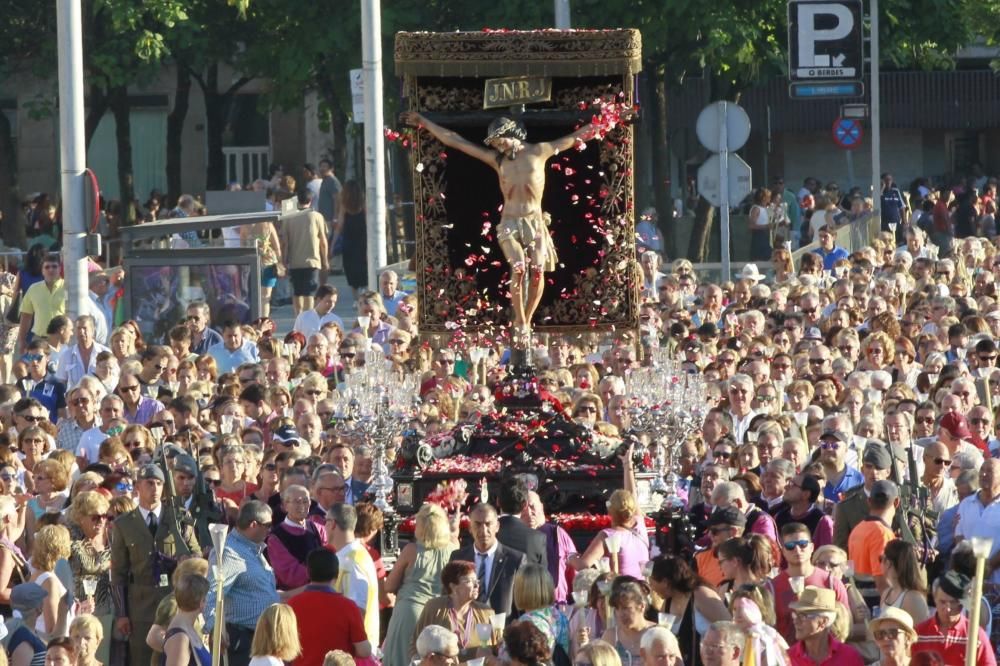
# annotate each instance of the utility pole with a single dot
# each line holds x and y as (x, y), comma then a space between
(875, 110)
(563, 21)
(72, 153)
(371, 46)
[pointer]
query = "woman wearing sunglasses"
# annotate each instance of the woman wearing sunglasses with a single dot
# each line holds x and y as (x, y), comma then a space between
(90, 560)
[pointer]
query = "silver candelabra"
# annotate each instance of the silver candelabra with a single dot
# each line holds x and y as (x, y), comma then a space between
(668, 405)
(376, 404)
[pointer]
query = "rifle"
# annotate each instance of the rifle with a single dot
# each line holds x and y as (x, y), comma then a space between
(913, 505)
(203, 509)
(175, 545)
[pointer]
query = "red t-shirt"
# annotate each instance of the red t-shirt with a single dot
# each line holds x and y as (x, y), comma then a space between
(327, 621)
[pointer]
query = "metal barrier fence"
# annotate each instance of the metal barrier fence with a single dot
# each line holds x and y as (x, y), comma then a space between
(851, 237)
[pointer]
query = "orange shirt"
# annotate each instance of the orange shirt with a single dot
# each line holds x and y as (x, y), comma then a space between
(708, 567)
(866, 544)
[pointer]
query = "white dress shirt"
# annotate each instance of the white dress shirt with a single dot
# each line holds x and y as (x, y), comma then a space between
(70, 368)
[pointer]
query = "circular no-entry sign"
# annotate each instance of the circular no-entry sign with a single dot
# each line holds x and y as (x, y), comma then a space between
(848, 132)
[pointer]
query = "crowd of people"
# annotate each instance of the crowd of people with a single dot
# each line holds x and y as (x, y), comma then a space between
(832, 504)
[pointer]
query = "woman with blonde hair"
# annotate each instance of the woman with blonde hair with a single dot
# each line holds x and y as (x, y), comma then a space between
(50, 480)
(598, 653)
(534, 595)
(784, 267)
(87, 635)
(877, 352)
(336, 658)
(184, 638)
(167, 608)
(588, 409)
(137, 436)
(626, 542)
(83, 483)
(585, 376)
(90, 558)
(276, 639)
(312, 388)
(122, 343)
(51, 544)
(265, 236)
(416, 578)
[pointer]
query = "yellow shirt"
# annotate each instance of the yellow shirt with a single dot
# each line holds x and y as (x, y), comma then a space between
(44, 304)
(358, 582)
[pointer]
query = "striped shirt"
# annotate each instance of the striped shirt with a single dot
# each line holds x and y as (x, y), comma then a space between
(951, 643)
(248, 583)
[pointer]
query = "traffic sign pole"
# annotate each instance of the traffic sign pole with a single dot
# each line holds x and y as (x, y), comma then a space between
(724, 189)
(876, 109)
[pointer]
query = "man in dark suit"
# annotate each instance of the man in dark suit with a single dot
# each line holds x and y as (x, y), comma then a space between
(495, 563)
(514, 532)
(146, 544)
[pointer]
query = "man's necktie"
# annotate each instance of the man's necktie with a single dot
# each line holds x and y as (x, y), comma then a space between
(152, 523)
(481, 575)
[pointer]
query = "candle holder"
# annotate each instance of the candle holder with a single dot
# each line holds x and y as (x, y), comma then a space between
(613, 543)
(218, 531)
(668, 405)
(376, 405)
(982, 548)
(666, 620)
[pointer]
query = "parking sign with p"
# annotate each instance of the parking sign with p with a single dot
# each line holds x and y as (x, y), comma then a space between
(825, 40)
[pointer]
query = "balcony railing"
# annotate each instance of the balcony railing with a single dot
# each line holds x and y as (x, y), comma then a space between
(245, 164)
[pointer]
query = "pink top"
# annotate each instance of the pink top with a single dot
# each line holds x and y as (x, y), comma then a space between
(783, 596)
(633, 550)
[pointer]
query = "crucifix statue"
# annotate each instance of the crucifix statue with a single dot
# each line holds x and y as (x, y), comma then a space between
(523, 232)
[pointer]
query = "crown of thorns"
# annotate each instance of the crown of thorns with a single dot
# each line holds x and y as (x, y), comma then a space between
(505, 128)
